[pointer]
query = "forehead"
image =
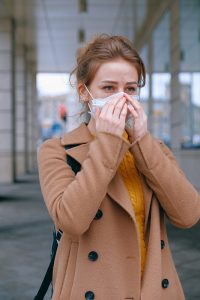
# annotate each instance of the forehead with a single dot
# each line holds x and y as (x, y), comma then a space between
(116, 70)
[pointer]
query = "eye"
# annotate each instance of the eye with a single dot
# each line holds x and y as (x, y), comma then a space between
(131, 90)
(108, 88)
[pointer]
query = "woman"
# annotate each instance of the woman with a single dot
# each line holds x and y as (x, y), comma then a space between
(112, 213)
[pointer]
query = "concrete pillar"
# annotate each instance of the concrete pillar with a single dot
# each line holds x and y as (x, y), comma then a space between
(176, 109)
(7, 100)
(31, 117)
(30, 112)
(35, 122)
(26, 109)
(20, 112)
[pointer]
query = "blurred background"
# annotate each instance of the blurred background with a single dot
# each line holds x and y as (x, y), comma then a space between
(39, 40)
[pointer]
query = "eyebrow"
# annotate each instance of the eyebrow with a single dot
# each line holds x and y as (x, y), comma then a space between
(115, 82)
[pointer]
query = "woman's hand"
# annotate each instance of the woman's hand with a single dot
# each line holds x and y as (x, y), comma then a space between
(111, 118)
(138, 125)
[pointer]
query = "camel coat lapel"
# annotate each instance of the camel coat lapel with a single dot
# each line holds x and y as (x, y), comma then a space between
(147, 199)
(116, 189)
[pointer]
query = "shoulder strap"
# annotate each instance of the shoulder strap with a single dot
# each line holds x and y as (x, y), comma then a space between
(74, 164)
(57, 234)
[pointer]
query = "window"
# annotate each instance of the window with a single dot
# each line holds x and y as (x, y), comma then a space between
(161, 105)
(144, 91)
(161, 80)
(190, 99)
(189, 78)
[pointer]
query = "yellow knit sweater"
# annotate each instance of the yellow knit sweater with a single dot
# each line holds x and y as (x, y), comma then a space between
(133, 184)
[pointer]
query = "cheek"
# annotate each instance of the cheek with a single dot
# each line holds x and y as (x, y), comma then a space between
(96, 92)
(93, 90)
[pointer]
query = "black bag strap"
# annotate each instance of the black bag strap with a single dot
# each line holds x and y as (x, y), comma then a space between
(57, 234)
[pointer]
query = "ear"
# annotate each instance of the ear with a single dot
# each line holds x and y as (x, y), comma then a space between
(83, 93)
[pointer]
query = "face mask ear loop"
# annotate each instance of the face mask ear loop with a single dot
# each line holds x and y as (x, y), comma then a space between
(91, 97)
(88, 91)
(90, 112)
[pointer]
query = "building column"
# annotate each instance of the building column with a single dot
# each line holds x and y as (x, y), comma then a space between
(35, 121)
(7, 100)
(20, 113)
(32, 122)
(176, 109)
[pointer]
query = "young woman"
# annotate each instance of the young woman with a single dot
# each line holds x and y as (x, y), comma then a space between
(112, 213)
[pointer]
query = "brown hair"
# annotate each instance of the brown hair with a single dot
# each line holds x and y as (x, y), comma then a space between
(103, 48)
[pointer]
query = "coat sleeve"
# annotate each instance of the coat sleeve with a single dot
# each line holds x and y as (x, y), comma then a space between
(175, 193)
(73, 201)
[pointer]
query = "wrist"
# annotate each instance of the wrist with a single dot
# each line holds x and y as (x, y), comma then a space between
(136, 137)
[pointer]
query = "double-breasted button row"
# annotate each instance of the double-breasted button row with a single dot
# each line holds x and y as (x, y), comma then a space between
(165, 281)
(93, 256)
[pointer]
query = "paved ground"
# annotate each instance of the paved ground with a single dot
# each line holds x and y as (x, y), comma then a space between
(25, 235)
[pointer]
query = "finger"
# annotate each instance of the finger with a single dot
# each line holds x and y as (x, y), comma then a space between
(134, 102)
(133, 112)
(109, 107)
(119, 106)
(124, 112)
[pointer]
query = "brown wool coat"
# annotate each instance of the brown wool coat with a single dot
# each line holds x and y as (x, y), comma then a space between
(73, 202)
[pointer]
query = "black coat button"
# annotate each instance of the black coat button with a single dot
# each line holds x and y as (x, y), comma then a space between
(165, 283)
(99, 214)
(89, 295)
(162, 243)
(93, 256)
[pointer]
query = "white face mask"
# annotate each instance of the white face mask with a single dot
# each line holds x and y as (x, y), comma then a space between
(100, 102)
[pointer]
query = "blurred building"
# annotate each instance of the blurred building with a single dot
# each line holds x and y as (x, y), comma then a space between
(44, 35)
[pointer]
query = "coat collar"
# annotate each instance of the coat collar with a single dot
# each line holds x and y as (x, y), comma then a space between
(82, 137)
